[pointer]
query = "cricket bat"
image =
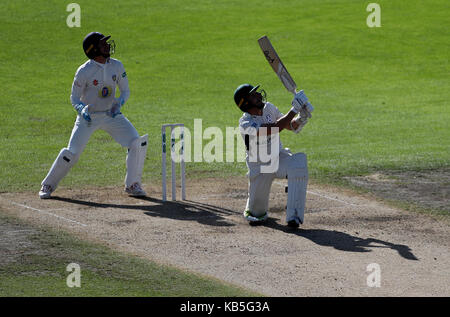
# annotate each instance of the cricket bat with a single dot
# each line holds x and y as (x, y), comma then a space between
(277, 65)
(279, 68)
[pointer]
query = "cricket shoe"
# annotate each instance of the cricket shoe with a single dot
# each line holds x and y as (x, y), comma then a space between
(135, 190)
(293, 224)
(254, 220)
(46, 192)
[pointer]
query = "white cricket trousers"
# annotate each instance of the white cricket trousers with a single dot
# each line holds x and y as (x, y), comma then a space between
(120, 129)
(259, 185)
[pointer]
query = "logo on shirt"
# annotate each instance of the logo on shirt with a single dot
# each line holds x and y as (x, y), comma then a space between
(95, 82)
(269, 119)
(114, 77)
(124, 74)
(105, 92)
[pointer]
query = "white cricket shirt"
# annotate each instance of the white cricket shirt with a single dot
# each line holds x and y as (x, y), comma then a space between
(248, 122)
(95, 84)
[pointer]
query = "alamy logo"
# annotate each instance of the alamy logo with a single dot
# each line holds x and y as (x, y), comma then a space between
(263, 148)
(374, 278)
(74, 278)
(74, 18)
(374, 18)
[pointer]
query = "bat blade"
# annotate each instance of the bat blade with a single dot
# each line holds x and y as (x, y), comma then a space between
(277, 65)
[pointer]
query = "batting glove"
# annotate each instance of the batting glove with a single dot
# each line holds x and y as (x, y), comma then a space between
(308, 107)
(299, 101)
(304, 112)
(301, 121)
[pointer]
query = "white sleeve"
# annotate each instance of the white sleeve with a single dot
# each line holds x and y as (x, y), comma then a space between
(79, 82)
(275, 111)
(247, 122)
(123, 84)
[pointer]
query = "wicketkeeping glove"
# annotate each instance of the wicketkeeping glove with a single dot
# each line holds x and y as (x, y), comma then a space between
(116, 105)
(82, 110)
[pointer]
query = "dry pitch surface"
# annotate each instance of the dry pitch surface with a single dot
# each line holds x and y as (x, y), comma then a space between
(328, 256)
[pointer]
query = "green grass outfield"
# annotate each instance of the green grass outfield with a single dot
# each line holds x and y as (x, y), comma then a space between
(380, 94)
(380, 97)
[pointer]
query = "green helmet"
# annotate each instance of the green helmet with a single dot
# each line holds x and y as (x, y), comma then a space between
(241, 94)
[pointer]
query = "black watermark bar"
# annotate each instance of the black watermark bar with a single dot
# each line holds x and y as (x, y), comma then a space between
(219, 306)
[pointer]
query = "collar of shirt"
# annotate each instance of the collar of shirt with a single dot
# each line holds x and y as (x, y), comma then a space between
(100, 64)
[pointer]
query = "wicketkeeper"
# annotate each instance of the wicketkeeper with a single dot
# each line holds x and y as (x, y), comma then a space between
(260, 126)
(93, 98)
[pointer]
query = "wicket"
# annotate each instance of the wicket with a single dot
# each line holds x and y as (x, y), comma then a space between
(172, 153)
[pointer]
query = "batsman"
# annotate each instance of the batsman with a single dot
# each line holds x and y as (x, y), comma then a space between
(94, 99)
(260, 126)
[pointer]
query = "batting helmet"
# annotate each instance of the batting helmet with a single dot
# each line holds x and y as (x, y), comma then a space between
(91, 42)
(241, 95)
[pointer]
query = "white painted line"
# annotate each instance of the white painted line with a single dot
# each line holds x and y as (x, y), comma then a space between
(49, 213)
(323, 196)
(19, 231)
(331, 198)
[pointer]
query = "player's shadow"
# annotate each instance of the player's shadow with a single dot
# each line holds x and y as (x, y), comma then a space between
(343, 241)
(215, 216)
(177, 210)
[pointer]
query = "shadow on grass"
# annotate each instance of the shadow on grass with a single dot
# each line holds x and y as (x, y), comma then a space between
(215, 216)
